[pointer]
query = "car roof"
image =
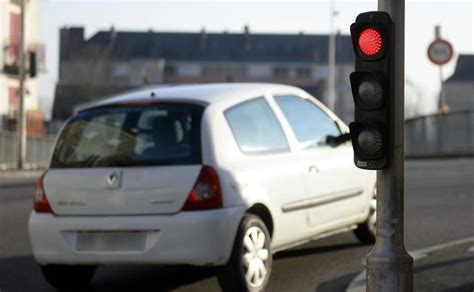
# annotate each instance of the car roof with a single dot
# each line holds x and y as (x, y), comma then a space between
(211, 93)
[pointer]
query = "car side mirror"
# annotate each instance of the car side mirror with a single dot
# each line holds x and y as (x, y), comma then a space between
(338, 140)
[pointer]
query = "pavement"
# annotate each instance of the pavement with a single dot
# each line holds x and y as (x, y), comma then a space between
(445, 267)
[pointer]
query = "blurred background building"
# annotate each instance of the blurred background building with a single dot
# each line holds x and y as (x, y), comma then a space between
(38, 145)
(459, 88)
(10, 29)
(111, 61)
(114, 61)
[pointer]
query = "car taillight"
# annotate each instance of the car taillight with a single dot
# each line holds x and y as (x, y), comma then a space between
(206, 192)
(41, 204)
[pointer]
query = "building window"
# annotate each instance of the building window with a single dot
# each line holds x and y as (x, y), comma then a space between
(303, 73)
(226, 71)
(120, 70)
(280, 72)
(212, 71)
(13, 98)
(14, 27)
(170, 70)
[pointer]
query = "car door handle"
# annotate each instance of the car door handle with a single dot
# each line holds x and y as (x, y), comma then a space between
(313, 169)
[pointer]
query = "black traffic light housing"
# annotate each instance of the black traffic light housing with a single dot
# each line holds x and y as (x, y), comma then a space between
(32, 56)
(372, 90)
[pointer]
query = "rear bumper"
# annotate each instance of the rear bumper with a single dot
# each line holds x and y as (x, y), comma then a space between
(196, 238)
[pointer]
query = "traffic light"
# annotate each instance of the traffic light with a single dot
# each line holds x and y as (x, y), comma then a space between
(33, 64)
(372, 90)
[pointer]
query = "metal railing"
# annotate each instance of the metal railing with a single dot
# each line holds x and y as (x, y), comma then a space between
(38, 151)
(440, 135)
(437, 135)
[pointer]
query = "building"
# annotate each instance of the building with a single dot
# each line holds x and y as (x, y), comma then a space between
(459, 88)
(113, 61)
(10, 21)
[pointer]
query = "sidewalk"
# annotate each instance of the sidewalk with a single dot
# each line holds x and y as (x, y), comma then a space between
(447, 267)
(19, 177)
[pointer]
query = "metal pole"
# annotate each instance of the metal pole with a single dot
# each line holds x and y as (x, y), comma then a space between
(442, 96)
(389, 266)
(21, 92)
(331, 60)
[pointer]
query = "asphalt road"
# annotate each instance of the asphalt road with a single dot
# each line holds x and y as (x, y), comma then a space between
(439, 197)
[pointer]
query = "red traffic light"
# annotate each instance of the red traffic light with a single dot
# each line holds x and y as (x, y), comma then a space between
(370, 42)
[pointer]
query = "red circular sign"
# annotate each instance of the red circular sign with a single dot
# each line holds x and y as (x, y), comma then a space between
(440, 52)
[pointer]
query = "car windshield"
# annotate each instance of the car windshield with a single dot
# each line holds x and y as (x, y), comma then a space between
(138, 135)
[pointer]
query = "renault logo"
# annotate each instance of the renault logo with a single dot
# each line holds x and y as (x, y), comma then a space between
(113, 180)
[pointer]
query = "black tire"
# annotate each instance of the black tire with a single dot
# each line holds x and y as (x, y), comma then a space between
(364, 234)
(68, 277)
(366, 231)
(232, 277)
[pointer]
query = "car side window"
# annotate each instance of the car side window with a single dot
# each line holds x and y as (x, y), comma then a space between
(310, 124)
(255, 127)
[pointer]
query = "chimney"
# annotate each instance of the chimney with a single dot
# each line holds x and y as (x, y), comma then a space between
(247, 44)
(70, 41)
(113, 33)
(203, 39)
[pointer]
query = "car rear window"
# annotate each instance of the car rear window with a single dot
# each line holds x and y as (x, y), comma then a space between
(137, 135)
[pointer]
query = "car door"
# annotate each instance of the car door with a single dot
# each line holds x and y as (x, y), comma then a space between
(266, 165)
(334, 187)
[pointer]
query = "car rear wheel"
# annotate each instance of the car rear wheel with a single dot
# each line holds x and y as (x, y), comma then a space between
(366, 231)
(68, 277)
(249, 267)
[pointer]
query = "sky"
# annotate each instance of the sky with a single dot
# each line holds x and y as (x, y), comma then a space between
(456, 19)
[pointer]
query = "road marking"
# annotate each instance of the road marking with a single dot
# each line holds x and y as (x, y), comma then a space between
(358, 283)
(424, 252)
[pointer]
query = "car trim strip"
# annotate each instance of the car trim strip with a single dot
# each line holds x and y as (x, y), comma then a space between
(321, 200)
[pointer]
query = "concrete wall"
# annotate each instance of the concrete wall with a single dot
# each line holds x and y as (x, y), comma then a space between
(460, 95)
(440, 135)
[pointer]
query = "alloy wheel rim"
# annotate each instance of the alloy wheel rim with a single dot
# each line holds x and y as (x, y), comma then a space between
(255, 257)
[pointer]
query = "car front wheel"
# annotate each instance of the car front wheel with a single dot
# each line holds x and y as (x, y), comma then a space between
(365, 231)
(67, 277)
(250, 264)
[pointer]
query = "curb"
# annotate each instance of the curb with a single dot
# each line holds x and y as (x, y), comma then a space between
(358, 283)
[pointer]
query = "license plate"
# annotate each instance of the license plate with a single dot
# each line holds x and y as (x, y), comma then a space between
(111, 241)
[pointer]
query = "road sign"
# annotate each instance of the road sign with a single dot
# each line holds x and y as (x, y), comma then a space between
(440, 52)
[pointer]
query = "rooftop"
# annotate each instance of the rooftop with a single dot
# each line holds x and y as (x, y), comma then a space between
(464, 69)
(204, 46)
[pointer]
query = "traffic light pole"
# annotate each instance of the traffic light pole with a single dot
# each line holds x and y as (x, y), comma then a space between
(332, 60)
(389, 266)
(21, 94)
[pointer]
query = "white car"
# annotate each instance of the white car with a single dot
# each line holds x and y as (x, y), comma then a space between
(208, 175)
